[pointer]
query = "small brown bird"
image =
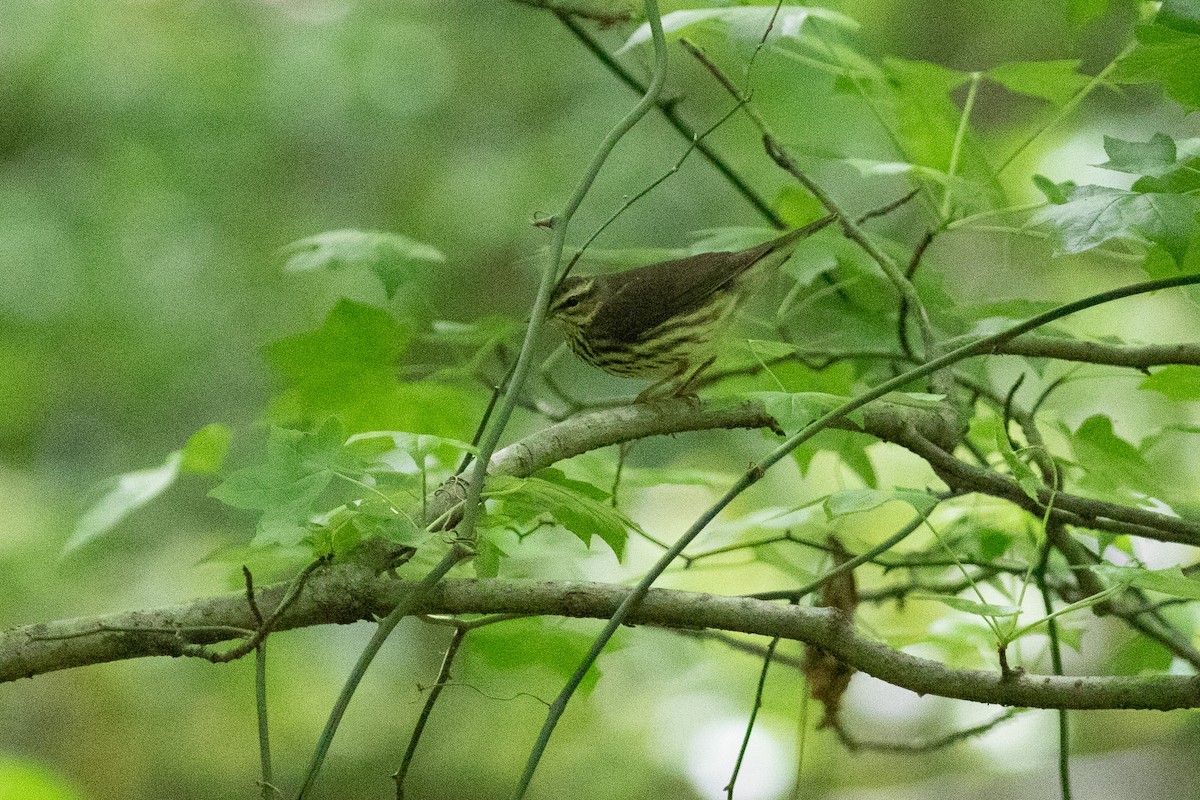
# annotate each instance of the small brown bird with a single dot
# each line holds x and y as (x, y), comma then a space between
(664, 320)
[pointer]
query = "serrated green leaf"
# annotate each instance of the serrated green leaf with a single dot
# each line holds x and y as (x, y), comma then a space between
(1110, 463)
(390, 256)
(1155, 157)
(1168, 581)
(1055, 81)
(559, 478)
(1176, 381)
(347, 367)
(298, 468)
(525, 500)
(129, 492)
(1093, 215)
(205, 451)
(739, 22)
(406, 452)
(972, 606)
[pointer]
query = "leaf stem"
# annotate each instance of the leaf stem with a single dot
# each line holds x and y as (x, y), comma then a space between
(959, 136)
(1068, 107)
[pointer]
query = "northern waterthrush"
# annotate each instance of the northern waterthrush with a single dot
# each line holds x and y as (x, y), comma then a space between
(663, 320)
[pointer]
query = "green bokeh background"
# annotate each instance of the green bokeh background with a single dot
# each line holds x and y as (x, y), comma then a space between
(154, 156)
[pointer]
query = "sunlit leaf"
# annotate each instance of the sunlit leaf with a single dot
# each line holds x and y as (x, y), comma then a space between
(390, 256)
(740, 22)
(205, 451)
(129, 492)
(1176, 381)
(347, 367)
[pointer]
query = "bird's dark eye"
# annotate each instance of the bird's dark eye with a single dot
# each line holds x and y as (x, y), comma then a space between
(571, 302)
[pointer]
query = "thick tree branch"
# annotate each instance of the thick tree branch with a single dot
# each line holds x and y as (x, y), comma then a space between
(1117, 355)
(1067, 508)
(347, 593)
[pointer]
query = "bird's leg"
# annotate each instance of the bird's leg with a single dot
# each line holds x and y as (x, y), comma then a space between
(648, 394)
(687, 387)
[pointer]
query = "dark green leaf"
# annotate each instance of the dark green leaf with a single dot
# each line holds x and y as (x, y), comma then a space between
(1109, 462)
(1166, 55)
(526, 500)
(1056, 193)
(1056, 81)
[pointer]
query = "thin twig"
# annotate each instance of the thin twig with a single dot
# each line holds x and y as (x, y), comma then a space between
(460, 633)
(669, 112)
(768, 656)
(939, 743)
